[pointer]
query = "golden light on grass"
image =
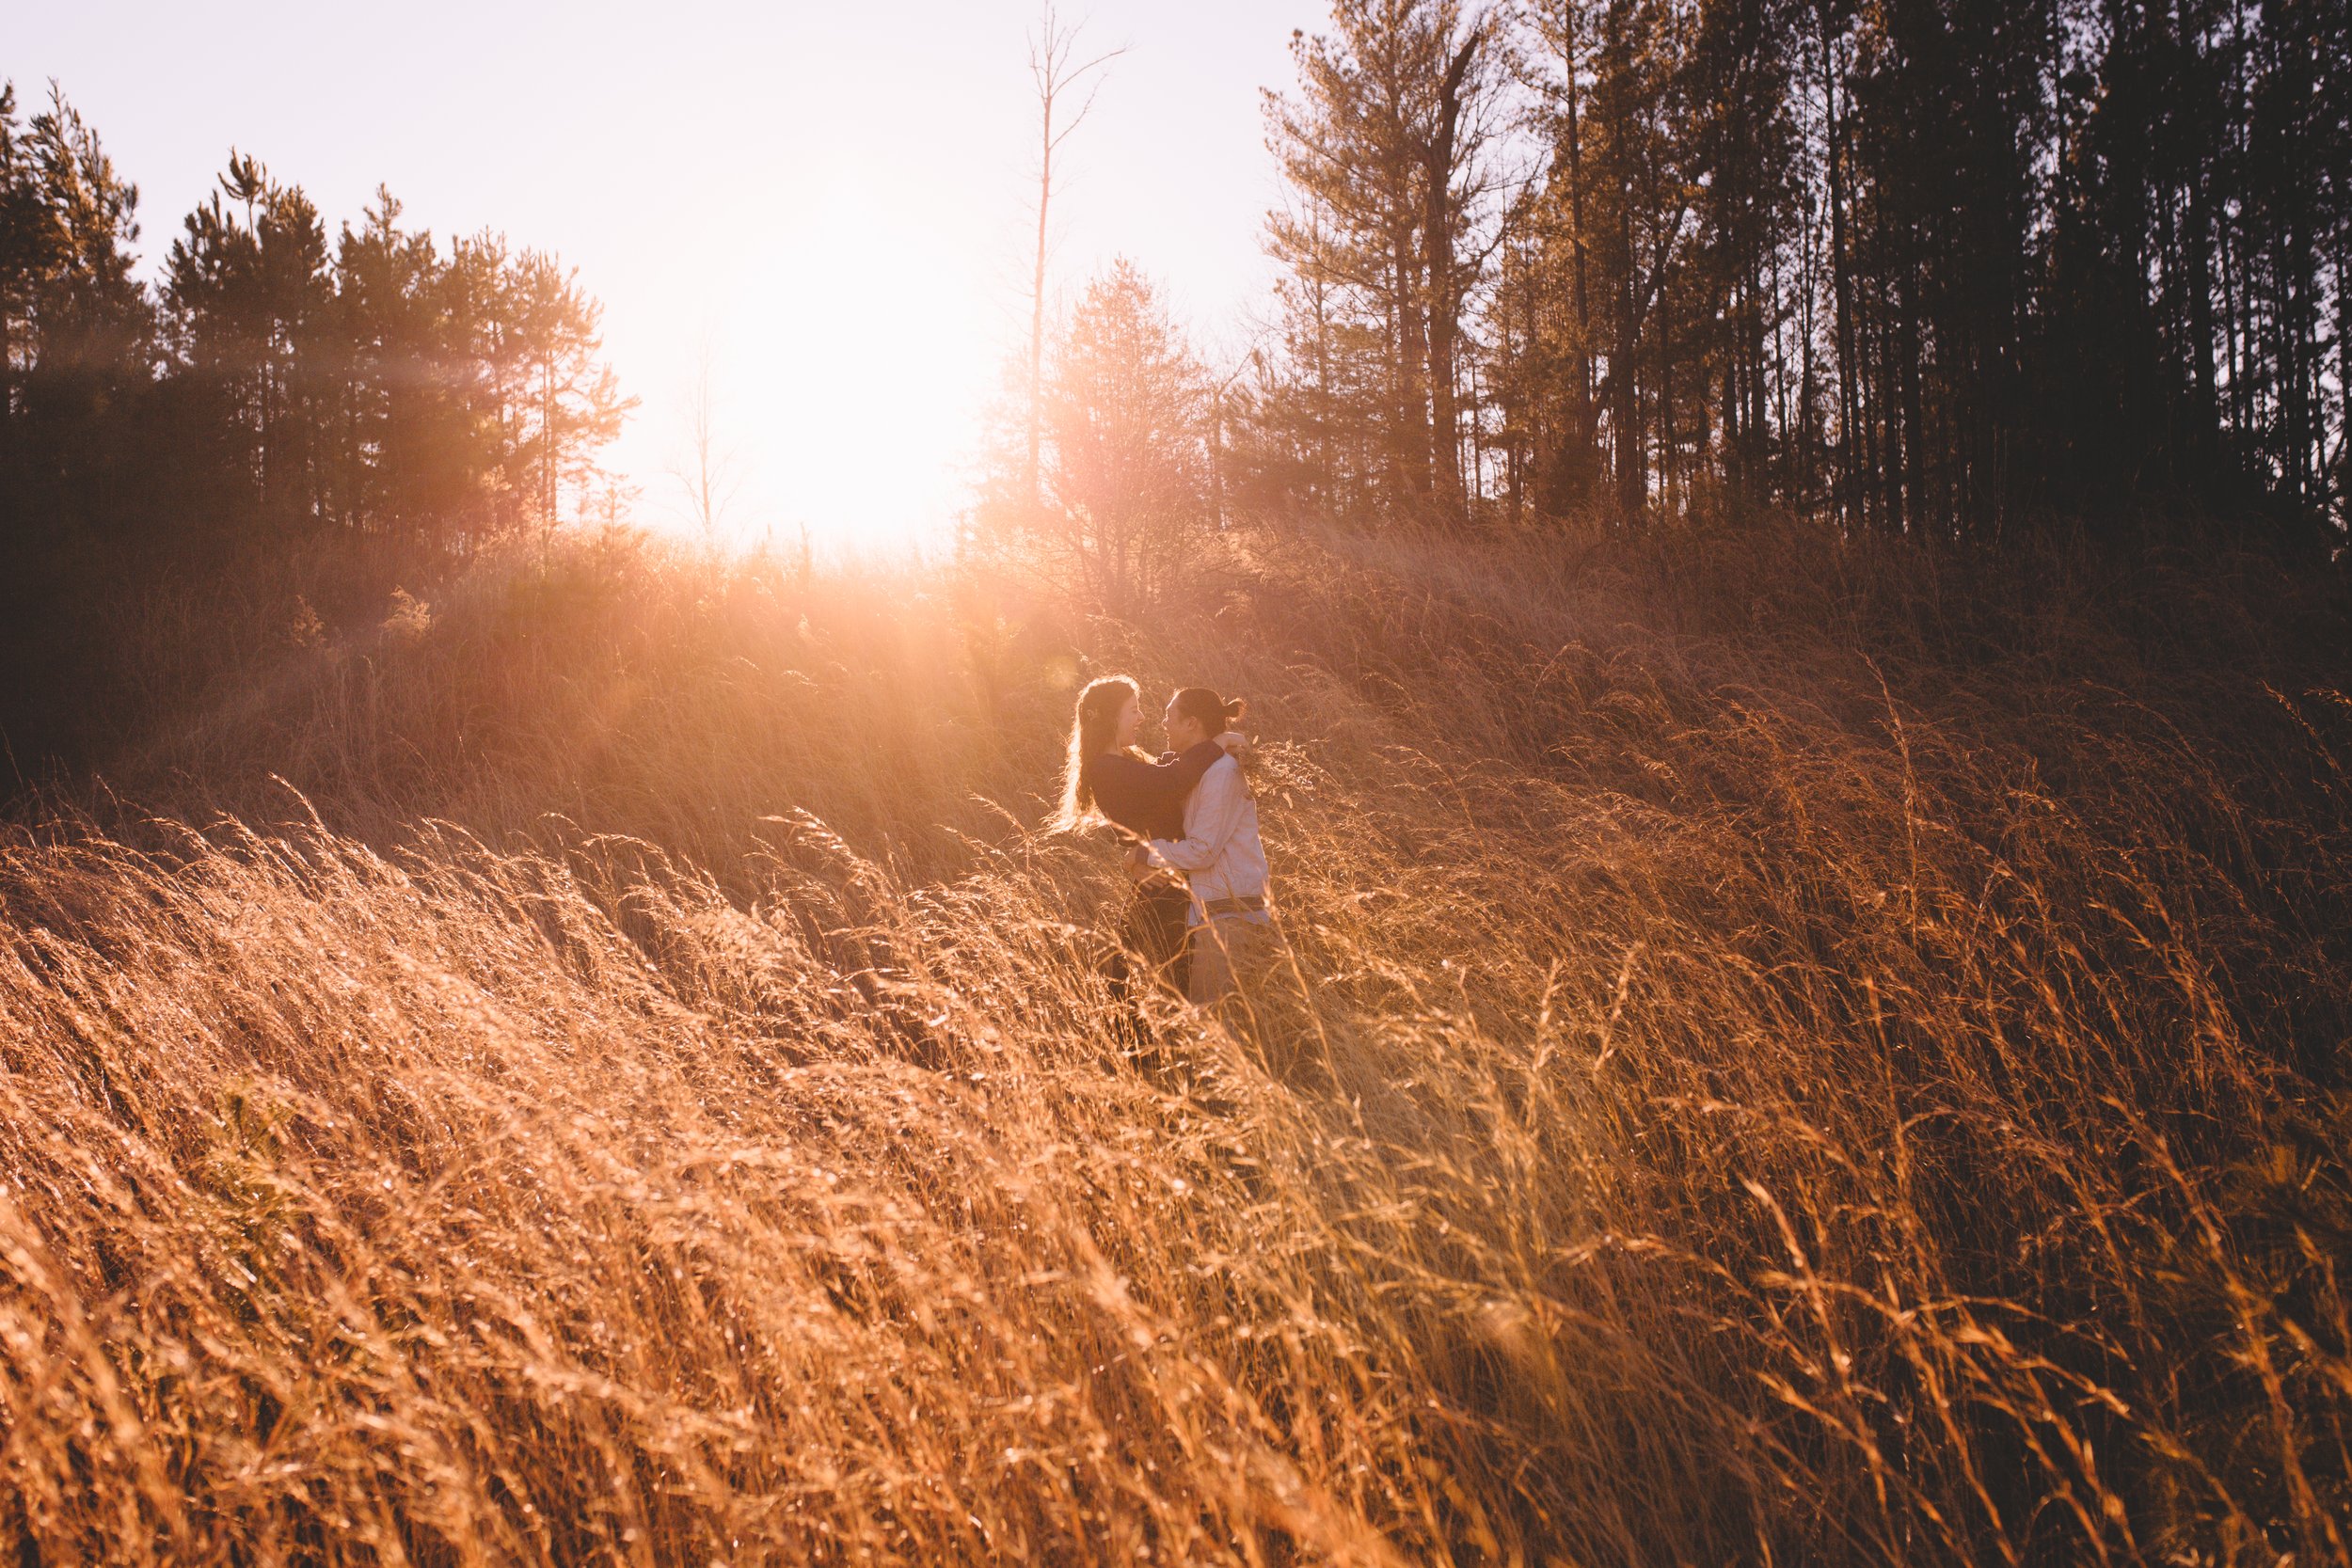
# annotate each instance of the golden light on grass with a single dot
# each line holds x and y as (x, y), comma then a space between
(1750, 1117)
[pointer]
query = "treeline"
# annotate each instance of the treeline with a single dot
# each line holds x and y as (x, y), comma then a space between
(277, 380)
(1940, 268)
(278, 392)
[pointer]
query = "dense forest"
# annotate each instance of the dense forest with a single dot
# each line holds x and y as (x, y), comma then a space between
(274, 382)
(1975, 272)
(1932, 267)
(1957, 272)
(277, 396)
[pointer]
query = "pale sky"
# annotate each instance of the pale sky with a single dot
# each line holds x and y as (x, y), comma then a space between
(839, 196)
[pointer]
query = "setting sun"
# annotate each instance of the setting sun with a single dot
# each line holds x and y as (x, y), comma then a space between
(847, 385)
(838, 201)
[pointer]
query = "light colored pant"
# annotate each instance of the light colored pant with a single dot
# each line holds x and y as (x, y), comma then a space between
(1236, 952)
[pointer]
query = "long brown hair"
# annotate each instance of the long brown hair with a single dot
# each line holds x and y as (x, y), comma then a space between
(1092, 731)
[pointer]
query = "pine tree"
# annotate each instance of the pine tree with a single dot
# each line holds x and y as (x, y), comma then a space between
(574, 403)
(1387, 226)
(1125, 454)
(247, 294)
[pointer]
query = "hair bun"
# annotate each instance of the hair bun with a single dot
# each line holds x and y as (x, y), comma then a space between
(1234, 709)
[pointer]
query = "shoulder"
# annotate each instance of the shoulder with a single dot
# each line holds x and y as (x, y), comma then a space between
(1235, 778)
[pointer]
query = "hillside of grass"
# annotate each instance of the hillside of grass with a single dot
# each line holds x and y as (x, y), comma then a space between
(1815, 1056)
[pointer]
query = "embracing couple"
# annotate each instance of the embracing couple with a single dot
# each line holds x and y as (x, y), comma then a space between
(1199, 920)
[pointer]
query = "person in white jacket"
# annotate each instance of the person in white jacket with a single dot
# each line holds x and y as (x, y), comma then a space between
(1233, 938)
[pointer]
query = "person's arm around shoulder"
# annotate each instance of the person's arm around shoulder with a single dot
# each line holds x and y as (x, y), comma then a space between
(1167, 782)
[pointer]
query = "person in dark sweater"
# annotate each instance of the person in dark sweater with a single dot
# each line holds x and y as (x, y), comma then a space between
(1108, 783)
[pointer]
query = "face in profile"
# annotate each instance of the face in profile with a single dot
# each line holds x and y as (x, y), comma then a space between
(1182, 732)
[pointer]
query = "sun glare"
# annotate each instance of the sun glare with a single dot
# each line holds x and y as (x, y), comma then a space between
(849, 372)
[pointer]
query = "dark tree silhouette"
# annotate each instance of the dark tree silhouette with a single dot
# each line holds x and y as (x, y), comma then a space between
(1950, 269)
(360, 410)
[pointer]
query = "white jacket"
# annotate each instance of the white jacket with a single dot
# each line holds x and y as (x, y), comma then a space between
(1220, 854)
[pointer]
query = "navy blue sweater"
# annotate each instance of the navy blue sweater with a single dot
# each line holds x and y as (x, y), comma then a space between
(1147, 799)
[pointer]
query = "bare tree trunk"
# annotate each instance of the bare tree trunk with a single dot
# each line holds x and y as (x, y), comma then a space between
(1841, 284)
(706, 471)
(1408, 443)
(1445, 305)
(1583, 416)
(1054, 68)
(547, 442)
(1037, 292)
(1626, 411)
(1323, 385)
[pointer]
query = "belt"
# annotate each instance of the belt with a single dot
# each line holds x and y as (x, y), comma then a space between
(1248, 904)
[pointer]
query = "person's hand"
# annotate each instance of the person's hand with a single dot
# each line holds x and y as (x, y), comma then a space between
(1138, 863)
(1236, 745)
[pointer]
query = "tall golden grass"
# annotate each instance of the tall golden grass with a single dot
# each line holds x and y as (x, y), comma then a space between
(1812, 1059)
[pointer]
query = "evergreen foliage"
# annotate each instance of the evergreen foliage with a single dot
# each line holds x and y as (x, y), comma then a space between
(374, 397)
(1939, 268)
(1125, 482)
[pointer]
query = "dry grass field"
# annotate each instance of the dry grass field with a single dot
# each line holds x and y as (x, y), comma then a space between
(1813, 1058)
